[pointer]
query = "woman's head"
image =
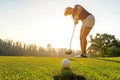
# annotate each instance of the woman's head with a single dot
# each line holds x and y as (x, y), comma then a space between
(68, 11)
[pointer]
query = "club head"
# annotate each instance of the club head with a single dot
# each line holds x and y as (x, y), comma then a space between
(68, 52)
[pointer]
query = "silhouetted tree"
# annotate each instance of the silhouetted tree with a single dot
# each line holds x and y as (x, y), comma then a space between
(102, 43)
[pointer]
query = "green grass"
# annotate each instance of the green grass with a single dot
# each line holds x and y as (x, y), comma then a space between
(45, 68)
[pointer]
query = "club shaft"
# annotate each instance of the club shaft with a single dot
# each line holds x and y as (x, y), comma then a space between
(72, 37)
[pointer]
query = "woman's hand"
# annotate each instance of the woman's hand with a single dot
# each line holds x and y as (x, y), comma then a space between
(75, 22)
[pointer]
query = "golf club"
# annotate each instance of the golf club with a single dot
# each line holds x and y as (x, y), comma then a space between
(70, 51)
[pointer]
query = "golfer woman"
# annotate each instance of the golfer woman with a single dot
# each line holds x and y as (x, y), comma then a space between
(88, 21)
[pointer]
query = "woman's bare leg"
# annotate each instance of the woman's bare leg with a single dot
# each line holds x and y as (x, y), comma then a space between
(83, 38)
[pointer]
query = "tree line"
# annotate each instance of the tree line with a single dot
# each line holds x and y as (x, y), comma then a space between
(10, 48)
(101, 45)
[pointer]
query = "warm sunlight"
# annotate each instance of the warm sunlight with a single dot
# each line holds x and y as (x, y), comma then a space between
(40, 22)
(35, 40)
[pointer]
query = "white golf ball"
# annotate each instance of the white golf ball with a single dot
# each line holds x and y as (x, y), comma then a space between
(66, 63)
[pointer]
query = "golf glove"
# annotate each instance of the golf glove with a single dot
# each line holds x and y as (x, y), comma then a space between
(76, 22)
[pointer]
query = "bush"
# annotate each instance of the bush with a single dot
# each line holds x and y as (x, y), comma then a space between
(113, 51)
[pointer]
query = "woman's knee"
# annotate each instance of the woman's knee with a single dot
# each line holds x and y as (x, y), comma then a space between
(82, 37)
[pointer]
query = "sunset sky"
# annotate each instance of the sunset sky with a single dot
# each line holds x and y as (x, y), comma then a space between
(42, 21)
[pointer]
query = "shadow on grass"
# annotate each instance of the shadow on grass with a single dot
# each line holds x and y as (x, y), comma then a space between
(67, 74)
(115, 61)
